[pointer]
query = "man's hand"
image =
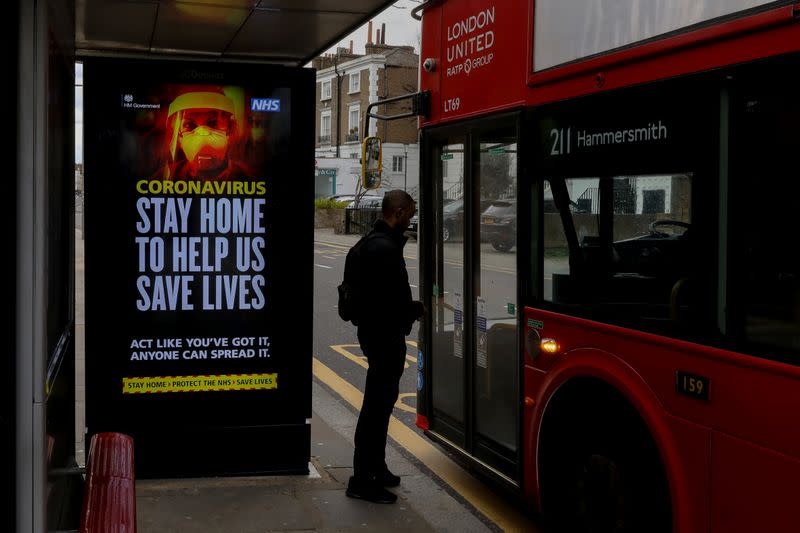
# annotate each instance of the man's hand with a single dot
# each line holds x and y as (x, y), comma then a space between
(415, 312)
(418, 309)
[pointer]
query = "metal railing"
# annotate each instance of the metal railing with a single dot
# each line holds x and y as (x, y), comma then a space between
(455, 191)
(325, 139)
(359, 221)
(588, 201)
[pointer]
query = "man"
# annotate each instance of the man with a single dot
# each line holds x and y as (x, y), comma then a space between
(385, 317)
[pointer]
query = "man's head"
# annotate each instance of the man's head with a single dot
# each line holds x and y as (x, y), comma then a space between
(398, 207)
(201, 124)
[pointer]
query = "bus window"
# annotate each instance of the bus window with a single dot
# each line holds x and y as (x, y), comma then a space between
(765, 272)
(448, 287)
(581, 210)
(496, 361)
(620, 248)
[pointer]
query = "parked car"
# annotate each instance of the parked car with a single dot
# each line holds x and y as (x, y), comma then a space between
(342, 197)
(366, 202)
(453, 219)
(499, 224)
(348, 198)
(412, 227)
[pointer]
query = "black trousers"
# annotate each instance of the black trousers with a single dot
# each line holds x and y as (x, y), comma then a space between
(386, 355)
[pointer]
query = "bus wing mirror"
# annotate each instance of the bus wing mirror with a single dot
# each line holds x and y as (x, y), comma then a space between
(371, 163)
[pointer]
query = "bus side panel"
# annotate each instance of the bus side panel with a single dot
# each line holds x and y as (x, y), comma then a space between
(431, 49)
(748, 400)
(479, 47)
(684, 447)
(533, 379)
(754, 489)
(748, 397)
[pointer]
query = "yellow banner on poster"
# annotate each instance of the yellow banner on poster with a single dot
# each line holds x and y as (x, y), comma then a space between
(224, 382)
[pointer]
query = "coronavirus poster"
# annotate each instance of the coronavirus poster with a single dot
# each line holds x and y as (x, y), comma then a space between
(198, 245)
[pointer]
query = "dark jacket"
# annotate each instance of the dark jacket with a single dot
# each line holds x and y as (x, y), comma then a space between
(386, 305)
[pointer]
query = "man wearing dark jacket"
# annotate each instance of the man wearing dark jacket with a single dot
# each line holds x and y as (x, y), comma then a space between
(385, 317)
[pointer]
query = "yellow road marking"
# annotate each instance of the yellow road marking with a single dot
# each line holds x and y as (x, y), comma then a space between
(492, 506)
(342, 349)
(403, 407)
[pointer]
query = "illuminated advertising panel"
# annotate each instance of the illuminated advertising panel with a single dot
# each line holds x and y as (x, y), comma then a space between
(198, 276)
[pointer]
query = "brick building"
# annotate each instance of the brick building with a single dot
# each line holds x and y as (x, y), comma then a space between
(346, 84)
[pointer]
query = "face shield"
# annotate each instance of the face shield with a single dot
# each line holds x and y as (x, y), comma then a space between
(201, 124)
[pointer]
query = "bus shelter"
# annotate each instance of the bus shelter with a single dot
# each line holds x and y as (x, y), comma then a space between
(37, 422)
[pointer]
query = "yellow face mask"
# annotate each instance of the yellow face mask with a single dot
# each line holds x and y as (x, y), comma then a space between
(205, 147)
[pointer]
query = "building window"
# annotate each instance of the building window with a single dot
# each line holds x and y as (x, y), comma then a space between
(353, 121)
(355, 82)
(397, 163)
(325, 128)
(654, 201)
(326, 90)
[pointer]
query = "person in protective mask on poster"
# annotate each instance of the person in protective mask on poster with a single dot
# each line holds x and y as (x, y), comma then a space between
(202, 131)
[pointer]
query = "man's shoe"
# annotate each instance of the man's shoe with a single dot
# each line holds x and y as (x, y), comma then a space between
(387, 479)
(369, 490)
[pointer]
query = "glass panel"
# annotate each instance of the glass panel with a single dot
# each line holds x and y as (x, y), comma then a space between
(766, 271)
(448, 291)
(496, 359)
(640, 272)
(582, 195)
(567, 30)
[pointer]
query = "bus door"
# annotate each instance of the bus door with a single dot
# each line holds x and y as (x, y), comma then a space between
(473, 373)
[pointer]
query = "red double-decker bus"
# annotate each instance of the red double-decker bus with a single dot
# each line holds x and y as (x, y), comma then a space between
(613, 325)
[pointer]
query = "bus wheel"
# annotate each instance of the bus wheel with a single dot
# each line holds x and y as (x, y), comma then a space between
(601, 473)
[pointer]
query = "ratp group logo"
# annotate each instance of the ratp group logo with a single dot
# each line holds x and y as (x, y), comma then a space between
(265, 104)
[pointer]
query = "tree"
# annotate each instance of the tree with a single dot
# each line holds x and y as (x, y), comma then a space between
(495, 176)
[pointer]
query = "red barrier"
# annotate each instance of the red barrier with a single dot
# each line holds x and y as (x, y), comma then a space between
(109, 498)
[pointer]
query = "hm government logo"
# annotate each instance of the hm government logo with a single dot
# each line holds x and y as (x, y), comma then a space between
(265, 104)
(129, 103)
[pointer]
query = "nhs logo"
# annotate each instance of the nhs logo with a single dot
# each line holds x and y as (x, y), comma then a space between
(265, 104)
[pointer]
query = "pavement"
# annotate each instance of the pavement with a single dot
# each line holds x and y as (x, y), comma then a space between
(314, 502)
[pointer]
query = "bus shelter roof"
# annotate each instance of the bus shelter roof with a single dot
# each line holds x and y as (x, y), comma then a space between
(288, 32)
